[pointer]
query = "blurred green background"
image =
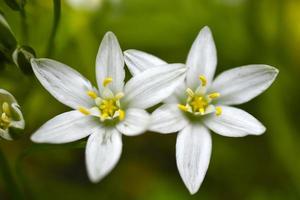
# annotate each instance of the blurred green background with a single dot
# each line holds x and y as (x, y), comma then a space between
(245, 32)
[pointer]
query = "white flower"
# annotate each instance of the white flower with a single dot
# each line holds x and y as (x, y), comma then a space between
(105, 113)
(201, 103)
(10, 115)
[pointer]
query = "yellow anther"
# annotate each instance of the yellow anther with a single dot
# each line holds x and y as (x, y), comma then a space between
(5, 118)
(182, 107)
(5, 108)
(119, 95)
(107, 81)
(121, 115)
(84, 110)
(202, 111)
(92, 94)
(203, 80)
(214, 95)
(218, 110)
(190, 92)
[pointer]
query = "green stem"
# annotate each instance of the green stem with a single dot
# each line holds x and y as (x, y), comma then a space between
(56, 19)
(11, 185)
(24, 26)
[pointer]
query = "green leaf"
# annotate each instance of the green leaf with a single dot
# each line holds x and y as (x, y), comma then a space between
(8, 42)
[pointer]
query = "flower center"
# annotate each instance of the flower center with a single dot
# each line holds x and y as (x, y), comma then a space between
(5, 118)
(198, 102)
(107, 106)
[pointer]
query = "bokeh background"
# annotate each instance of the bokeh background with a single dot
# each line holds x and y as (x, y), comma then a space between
(245, 32)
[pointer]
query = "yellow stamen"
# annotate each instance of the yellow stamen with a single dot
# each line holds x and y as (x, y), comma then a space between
(203, 80)
(218, 110)
(92, 94)
(107, 81)
(119, 95)
(202, 111)
(5, 118)
(214, 95)
(182, 107)
(121, 115)
(5, 108)
(190, 92)
(84, 111)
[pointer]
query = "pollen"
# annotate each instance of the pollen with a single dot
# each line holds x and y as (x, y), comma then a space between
(5, 118)
(121, 115)
(198, 102)
(92, 94)
(214, 95)
(203, 80)
(218, 110)
(182, 107)
(107, 81)
(84, 111)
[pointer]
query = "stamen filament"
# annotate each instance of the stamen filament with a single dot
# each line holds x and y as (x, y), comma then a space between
(190, 92)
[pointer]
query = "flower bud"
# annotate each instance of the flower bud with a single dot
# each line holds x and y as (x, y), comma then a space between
(21, 58)
(11, 117)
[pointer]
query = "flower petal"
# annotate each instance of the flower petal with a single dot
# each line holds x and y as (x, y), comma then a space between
(193, 151)
(136, 122)
(167, 119)
(242, 84)
(202, 58)
(110, 63)
(153, 85)
(234, 122)
(67, 127)
(64, 83)
(138, 61)
(102, 153)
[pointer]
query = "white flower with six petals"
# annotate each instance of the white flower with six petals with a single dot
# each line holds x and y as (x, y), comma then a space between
(106, 113)
(201, 103)
(11, 116)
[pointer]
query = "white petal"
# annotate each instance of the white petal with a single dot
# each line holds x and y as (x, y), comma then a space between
(153, 85)
(167, 119)
(138, 61)
(234, 122)
(202, 58)
(19, 122)
(178, 96)
(67, 127)
(110, 63)
(64, 83)
(102, 153)
(5, 134)
(242, 84)
(136, 122)
(193, 151)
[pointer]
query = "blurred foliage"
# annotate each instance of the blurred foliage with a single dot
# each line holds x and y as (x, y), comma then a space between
(245, 32)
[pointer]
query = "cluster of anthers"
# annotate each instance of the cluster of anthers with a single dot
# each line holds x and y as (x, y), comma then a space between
(198, 102)
(5, 119)
(108, 105)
